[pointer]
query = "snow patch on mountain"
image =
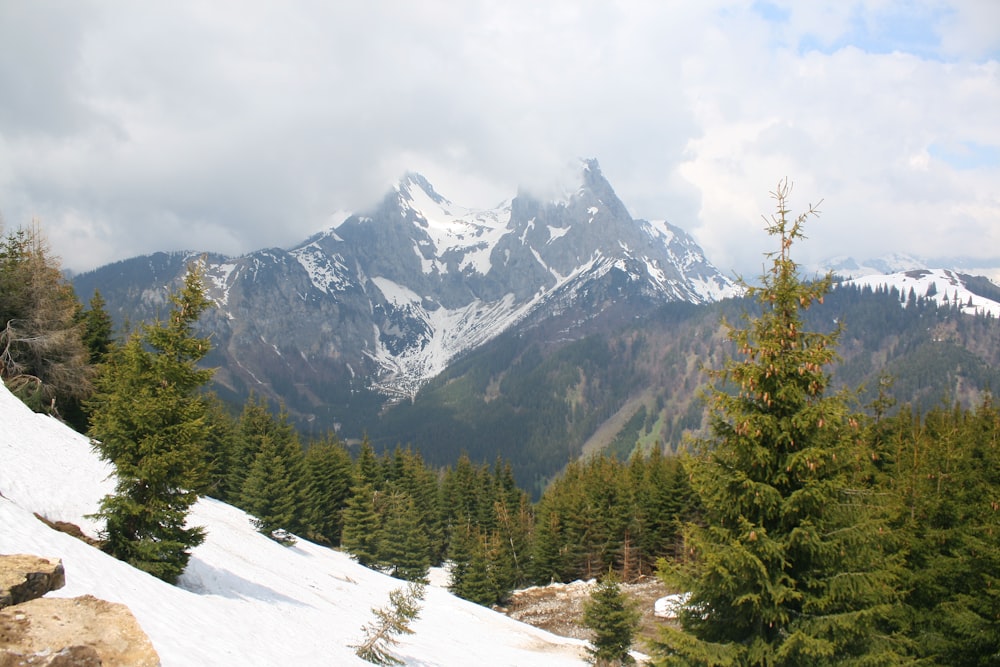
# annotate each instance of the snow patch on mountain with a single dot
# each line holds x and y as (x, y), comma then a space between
(221, 277)
(557, 233)
(848, 267)
(449, 333)
(943, 286)
(454, 231)
(326, 272)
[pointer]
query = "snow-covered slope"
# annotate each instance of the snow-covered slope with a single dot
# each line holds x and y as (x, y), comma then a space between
(943, 286)
(244, 599)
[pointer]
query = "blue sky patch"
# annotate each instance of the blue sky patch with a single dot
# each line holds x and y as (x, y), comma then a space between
(771, 12)
(905, 27)
(966, 154)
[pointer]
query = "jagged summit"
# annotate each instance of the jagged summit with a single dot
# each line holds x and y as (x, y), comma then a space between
(389, 297)
(413, 179)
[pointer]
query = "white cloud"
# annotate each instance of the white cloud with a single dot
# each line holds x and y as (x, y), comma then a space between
(232, 126)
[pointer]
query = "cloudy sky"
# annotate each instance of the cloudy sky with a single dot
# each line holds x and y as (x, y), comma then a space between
(129, 127)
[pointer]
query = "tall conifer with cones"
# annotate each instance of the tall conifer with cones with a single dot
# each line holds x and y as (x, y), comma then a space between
(790, 565)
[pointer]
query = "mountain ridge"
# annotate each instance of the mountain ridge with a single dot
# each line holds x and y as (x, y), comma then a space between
(382, 302)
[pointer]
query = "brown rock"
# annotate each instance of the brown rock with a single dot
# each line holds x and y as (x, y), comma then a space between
(61, 632)
(24, 578)
(73, 656)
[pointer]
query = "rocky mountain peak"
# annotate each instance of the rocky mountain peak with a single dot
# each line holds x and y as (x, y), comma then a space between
(412, 180)
(394, 294)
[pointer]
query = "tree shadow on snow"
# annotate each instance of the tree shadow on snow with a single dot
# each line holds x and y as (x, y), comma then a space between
(204, 579)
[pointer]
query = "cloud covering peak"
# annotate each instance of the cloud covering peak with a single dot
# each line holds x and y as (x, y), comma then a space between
(234, 126)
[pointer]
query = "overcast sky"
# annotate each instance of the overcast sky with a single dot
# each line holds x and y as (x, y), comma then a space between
(130, 127)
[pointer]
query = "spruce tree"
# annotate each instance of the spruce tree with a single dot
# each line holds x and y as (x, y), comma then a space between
(148, 418)
(403, 546)
(391, 621)
(268, 493)
(219, 446)
(613, 619)
(363, 525)
(789, 566)
(460, 555)
(547, 558)
(98, 330)
(944, 472)
(329, 473)
(476, 583)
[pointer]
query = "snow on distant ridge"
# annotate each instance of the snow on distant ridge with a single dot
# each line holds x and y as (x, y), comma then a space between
(943, 286)
(848, 267)
(244, 599)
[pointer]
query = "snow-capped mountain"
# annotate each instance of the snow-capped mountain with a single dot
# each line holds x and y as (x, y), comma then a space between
(243, 599)
(972, 295)
(389, 297)
(848, 267)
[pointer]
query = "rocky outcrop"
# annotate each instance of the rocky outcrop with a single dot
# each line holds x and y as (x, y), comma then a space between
(63, 632)
(24, 578)
(77, 631)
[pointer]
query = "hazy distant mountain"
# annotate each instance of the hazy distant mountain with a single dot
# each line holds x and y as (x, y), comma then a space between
(372, 309)
(849, 267)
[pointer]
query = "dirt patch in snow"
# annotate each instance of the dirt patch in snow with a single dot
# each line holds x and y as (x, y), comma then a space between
(558, 608)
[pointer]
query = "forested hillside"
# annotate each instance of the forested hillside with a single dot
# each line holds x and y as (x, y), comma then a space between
(540, 402)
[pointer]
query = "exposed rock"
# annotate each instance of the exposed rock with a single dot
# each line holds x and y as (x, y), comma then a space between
(60, 632)
(70, 529)
(73, 656)
(24, 578)
(77, 632)
(558, 608)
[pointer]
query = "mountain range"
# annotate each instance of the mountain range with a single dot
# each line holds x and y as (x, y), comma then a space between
(535, 330)
(373, 308)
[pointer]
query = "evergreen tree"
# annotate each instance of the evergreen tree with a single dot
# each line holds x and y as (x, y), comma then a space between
(380, 635)
(420, 485)
(613, 619)
(369, 470)
(460, 554)
(43, 360)
(547, 558)
(403, 547)
(362, 525)
(268, 492)
(329, 470)
(294, 460)
(945, 473)
(473, 581)
(98, 330)
(257, 422)
(149, 420)
(790, 565)
(220, 445)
